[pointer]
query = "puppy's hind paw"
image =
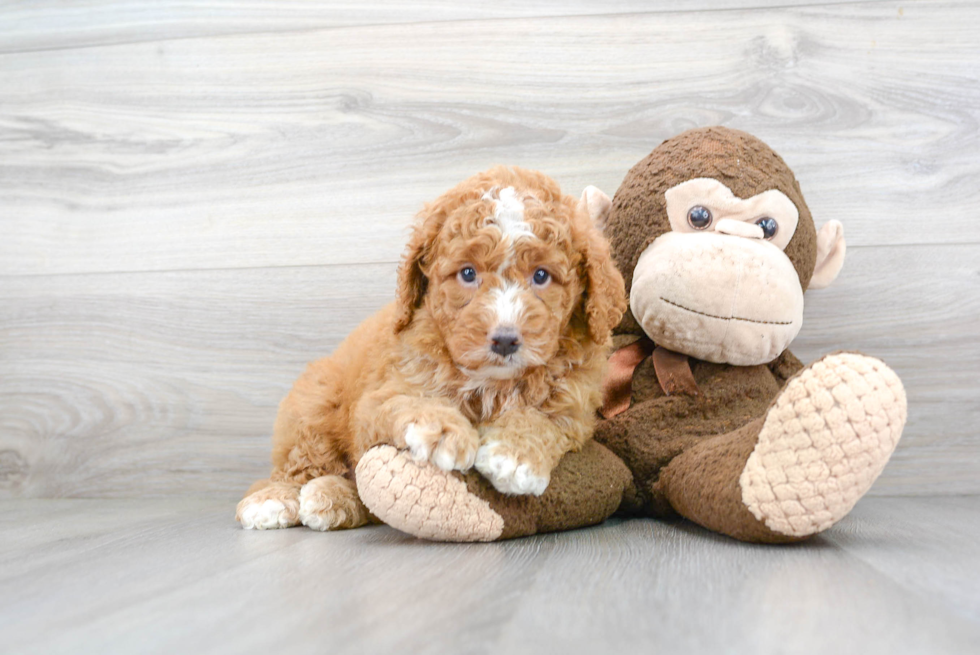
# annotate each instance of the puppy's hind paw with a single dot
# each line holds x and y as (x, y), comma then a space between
(260, 512)
(331, 502)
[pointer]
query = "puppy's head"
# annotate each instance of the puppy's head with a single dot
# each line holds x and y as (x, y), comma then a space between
(506, 266)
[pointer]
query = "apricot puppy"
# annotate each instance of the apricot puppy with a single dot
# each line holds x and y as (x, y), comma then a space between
(491, 356)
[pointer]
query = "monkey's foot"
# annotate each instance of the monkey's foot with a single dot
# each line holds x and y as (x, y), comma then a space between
(824, 441)
(425, 501)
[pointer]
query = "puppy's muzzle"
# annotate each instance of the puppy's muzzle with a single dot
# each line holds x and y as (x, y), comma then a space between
(505, 341)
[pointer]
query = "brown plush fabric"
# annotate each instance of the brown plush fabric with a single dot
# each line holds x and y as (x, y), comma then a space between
(785, 366)
(658, 428)
(702, 484)
(586, 488)
(739, 160)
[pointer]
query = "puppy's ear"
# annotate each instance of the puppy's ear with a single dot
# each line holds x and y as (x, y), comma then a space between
(605, 292)
(412, 282)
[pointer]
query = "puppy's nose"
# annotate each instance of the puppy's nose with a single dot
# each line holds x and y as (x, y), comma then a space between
(505, 341)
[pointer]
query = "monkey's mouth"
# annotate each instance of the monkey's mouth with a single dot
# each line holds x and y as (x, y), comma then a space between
(723, 318)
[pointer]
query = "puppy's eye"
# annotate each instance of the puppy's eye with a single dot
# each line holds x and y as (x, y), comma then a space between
(769, 227)
(467, 275)
(699, 217)
(541, 277)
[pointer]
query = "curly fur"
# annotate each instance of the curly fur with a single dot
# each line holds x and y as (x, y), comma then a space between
(421, 374)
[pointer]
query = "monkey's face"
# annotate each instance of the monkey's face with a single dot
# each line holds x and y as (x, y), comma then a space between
(719, 285)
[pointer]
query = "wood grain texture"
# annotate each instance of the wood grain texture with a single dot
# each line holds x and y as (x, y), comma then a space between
(148, 384)
(197, 199)
(896, 576)
(49, 24)
(271, 149)
(154, 384)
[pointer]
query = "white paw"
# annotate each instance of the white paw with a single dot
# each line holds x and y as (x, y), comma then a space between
(317, 511)
(419, 442)
(330, 502)
(507, 473)
(449, 450)
(266, 515)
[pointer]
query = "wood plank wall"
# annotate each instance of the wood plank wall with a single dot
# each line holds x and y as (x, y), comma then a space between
(198, 198)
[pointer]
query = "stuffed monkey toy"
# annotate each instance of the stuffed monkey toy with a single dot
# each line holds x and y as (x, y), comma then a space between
(707, 415)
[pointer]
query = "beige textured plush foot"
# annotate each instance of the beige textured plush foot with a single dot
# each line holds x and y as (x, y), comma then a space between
(824, 442)
(422, 500)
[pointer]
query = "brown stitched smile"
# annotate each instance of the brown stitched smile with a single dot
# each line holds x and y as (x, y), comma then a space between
(725, 318)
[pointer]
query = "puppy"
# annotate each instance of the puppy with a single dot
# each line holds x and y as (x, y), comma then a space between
(491, 356)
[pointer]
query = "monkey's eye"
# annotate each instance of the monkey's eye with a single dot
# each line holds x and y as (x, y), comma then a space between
(699, 217)
(769, 227)
(467, 275)
(541, 277)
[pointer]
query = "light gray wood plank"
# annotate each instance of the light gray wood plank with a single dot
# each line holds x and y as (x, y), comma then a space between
(916, 308)
(179, 576)
(912, 543)
(49, 24)
(317, 147)
(157, 384)
(153, 384)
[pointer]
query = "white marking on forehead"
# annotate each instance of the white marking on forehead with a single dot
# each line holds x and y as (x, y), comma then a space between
(507, 304)
(508, 214)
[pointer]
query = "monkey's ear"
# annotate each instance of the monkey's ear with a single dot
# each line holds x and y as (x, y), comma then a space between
(596, 204)
(830, 254)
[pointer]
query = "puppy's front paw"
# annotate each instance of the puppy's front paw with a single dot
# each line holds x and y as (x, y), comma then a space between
(509, 471)
(449, 442)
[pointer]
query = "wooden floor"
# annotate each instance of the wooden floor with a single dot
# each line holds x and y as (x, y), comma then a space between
(113, 576)
(197, 198)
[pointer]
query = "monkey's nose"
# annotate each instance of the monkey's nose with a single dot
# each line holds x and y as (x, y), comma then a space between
(739, 229)
(505, 341)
